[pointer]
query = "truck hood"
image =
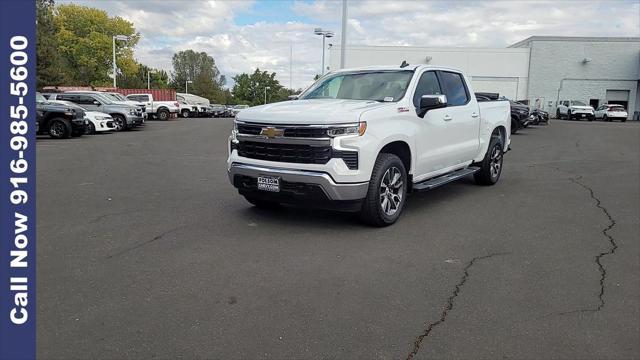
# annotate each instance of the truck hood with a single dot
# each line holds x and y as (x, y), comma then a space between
(310, 112)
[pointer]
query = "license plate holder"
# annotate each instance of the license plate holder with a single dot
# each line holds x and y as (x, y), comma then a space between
(268, 183)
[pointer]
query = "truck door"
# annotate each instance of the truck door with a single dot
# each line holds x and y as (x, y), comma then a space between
(431, 142)
(462, 118)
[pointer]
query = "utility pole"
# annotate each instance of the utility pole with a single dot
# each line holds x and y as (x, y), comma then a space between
(343, 46)
(290, 66)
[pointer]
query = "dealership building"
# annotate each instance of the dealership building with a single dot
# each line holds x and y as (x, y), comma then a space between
(540, 69)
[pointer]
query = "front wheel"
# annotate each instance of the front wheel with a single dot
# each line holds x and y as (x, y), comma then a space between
(387, 192)
(263, 204)
(59, 128)
(120, 122)
(185, 113)
(491, 165)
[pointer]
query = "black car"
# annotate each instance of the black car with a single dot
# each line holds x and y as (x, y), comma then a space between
(58, 120)
(519, 115)
(539, 116)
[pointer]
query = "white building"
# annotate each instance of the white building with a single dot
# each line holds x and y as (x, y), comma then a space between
(541, 69)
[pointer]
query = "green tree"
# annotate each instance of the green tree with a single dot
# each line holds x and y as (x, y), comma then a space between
(158, 79)
(250, 88)
(84, 37)
(200, 68)
(49, 63)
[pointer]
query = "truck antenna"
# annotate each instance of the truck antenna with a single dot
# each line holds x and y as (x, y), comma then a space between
(404, 64)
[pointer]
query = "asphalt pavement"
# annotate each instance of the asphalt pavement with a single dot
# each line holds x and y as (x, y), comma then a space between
(146, 251)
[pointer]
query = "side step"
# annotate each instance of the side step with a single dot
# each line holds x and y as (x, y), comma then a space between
(444, 179)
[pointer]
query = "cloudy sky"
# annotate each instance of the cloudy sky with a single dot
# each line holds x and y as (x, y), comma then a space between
(242, 35)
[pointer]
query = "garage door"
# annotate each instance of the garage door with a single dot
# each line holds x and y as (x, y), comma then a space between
(618, 97)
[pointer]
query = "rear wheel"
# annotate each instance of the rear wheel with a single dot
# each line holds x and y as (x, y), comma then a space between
(491, 165)
(185, 113)
(604, 118)
(59, 128)
(514, 126)
(163, 115)
(387, 192)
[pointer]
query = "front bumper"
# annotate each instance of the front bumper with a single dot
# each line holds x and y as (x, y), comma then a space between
(134, 120)
(297, 184)
(582, 115)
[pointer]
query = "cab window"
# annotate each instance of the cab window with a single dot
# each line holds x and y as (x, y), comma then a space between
(427, 85)
(454, 88)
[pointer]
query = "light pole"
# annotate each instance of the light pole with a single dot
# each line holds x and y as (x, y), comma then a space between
(265, 93)
(121, 38)
(149, 72)
(186, 86)
(343, 34)
(325, 34)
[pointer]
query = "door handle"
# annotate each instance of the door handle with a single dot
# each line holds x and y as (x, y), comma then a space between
(474, 115)
(447, 117)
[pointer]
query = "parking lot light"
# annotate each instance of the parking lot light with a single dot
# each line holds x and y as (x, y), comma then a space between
(186, 86)
(115, 71)
(265, 93)
(325, 34)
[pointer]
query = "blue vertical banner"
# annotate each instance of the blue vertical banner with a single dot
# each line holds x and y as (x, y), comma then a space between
(18, 179)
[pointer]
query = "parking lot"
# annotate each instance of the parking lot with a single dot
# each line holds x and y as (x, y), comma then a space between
(146, 251)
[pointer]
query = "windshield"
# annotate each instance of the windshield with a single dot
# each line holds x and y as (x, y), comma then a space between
(105, 99)
(40, 98)
(378, 86)
(578, 103)
(118, 97)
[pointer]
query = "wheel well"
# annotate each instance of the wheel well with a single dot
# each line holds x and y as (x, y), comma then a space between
(163, 109)
(400, 149)
(500, 131)
(117, 114)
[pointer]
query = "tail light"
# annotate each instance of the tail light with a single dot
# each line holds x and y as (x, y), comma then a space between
(177, 104)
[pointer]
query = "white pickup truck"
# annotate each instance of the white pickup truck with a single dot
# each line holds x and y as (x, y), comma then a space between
(162, 110)
(362, 139)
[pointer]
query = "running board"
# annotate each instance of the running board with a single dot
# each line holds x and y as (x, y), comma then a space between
(444, 179)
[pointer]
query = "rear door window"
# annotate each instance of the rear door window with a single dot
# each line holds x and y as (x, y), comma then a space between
(454, 88)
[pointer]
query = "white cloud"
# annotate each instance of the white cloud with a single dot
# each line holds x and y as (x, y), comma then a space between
(169, 26)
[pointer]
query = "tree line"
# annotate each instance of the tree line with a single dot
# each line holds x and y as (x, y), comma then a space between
(74, 48)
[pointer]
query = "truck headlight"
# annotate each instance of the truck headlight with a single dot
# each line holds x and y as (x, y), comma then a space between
(351, 129)
(132, 111)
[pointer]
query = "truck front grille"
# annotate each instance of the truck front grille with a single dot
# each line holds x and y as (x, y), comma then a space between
(302, 131)
(302, 154)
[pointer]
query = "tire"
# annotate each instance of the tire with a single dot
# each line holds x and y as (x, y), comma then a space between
(163, 115)
(514, 126)
(185, 113)
(387, 187)
(59, 128)
(568, 114)
(120, 122)
(604, 118)
(263, 204)
(491, 165)
(91, 129)
(558, 114)
(623, 120)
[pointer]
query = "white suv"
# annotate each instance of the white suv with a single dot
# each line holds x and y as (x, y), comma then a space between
(609, 112)
(574, 109)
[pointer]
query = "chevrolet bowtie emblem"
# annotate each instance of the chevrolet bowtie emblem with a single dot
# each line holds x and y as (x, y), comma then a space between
(271, 132)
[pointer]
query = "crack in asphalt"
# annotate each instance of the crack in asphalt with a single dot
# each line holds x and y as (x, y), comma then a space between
(449, 305)
(598, 259)
(613, 245)
(157, 237)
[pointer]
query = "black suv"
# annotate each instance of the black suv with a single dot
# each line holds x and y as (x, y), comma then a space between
(60, 121)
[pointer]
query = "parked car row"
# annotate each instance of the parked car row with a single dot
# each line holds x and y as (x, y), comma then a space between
(521, 114)
(578, 110)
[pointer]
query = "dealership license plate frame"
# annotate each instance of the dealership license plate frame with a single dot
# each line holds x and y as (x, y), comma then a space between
(268, 183)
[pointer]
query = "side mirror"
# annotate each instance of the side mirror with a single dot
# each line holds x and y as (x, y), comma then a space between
(293, 97)
(96, 102)
(430, 102)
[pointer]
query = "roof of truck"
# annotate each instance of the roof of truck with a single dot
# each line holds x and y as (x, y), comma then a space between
(395, 67)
